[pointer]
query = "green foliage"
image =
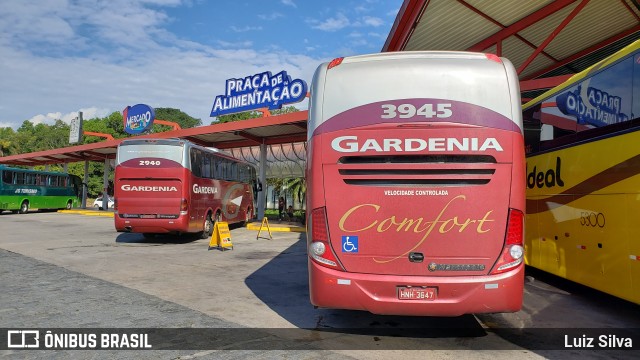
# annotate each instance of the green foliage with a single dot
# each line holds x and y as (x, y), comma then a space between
(296, 187)
(37, 137)
(251, 115)
(175, 115)
(7, 138)
(237, 117)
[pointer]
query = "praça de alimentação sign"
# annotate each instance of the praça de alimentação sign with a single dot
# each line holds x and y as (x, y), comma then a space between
(259, 91)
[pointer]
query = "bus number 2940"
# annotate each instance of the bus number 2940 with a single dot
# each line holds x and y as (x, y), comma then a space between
(149, 163)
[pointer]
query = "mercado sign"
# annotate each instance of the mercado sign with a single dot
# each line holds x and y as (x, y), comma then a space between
(259, 91)
(138, 118)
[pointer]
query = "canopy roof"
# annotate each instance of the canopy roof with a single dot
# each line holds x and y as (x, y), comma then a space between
(546, 40)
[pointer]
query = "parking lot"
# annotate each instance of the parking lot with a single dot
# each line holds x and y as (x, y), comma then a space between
(74, 271)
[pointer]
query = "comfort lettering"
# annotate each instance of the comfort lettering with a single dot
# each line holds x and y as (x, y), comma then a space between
(443, 223)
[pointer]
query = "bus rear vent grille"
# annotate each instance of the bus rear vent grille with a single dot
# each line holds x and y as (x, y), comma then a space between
(417, 170)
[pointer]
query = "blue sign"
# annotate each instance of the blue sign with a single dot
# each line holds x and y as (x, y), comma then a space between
(138, 118)
(349, 243)
(259, 91)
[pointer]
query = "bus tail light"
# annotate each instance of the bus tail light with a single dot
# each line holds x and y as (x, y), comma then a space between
(319, 247)
(184, 207)
(335, 62)
(513, 250)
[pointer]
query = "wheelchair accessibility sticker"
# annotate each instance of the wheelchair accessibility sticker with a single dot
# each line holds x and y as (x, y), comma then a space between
(349, 243)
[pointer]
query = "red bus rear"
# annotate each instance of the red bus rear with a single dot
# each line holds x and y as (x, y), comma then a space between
(416, 185)
(174, 186)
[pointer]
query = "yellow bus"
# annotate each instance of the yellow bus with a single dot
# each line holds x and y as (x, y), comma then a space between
(583, 177)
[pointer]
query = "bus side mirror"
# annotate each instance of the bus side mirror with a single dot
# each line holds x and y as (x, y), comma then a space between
(258, 186)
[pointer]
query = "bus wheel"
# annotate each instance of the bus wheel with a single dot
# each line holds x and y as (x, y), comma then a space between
(247, 216)
(24, 208)
(208, 227)
(69, 205)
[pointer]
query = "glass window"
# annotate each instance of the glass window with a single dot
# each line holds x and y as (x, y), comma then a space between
(7, 177)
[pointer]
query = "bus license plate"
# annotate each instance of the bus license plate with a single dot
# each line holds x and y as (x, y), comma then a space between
(152, 216)
(416, 293)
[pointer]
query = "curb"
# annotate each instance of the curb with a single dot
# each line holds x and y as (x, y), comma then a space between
(87, 212)
(277, 228)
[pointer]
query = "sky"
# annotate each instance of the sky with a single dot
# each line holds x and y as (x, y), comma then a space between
(58, 57)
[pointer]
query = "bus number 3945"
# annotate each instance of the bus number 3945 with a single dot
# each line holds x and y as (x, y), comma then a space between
(405, 111)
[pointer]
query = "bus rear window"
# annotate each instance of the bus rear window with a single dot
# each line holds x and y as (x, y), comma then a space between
(136, 151)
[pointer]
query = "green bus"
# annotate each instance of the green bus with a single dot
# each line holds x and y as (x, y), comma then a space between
(23, 189)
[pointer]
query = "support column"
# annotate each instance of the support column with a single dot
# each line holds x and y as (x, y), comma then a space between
(105, 185)
(65, 167)
(262, 195)
(85, 184)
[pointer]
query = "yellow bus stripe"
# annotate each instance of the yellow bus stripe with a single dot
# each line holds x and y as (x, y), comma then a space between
(599, 181)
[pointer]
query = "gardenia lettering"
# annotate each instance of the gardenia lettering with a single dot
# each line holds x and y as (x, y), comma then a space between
(204, 189)
(127, 187)
(351, 144)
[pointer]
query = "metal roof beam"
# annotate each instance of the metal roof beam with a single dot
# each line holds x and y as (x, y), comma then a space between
(544, 83)
(404, 25)
(268, 141)
(197, 141)
(553, 34)
(584, 52)
(256, 139)
(521, 24)
(73, 156)
(497, 23)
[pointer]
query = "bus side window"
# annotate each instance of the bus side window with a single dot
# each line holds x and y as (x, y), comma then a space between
(206, 167)
(196, 162)
(234, 171)
(7, 177)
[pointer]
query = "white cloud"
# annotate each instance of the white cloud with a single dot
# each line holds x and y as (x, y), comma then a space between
(270, 17)
(87, 113)
(60, 57)
(372, 21)
(246, 28)
(174, 77)
(340, 21)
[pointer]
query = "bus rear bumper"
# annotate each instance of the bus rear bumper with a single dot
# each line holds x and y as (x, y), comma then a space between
(153, 226)
(378, 294)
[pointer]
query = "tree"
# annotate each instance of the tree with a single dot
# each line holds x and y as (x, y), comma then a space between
(237, 117)
(296, 187)
(7, 136)
(251, 115)
(177, 116)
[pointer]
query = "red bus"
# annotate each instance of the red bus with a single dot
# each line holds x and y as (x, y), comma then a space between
(416, 184)
(175, 186)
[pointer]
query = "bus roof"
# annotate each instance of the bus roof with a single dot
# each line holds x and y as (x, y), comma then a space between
(183, 142)
(590, 71)
(42, 172)
(474, 78)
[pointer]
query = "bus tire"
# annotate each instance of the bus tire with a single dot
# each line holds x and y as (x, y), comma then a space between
(69, 205)
(247, 216)
(24, 207)
(208, 227)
